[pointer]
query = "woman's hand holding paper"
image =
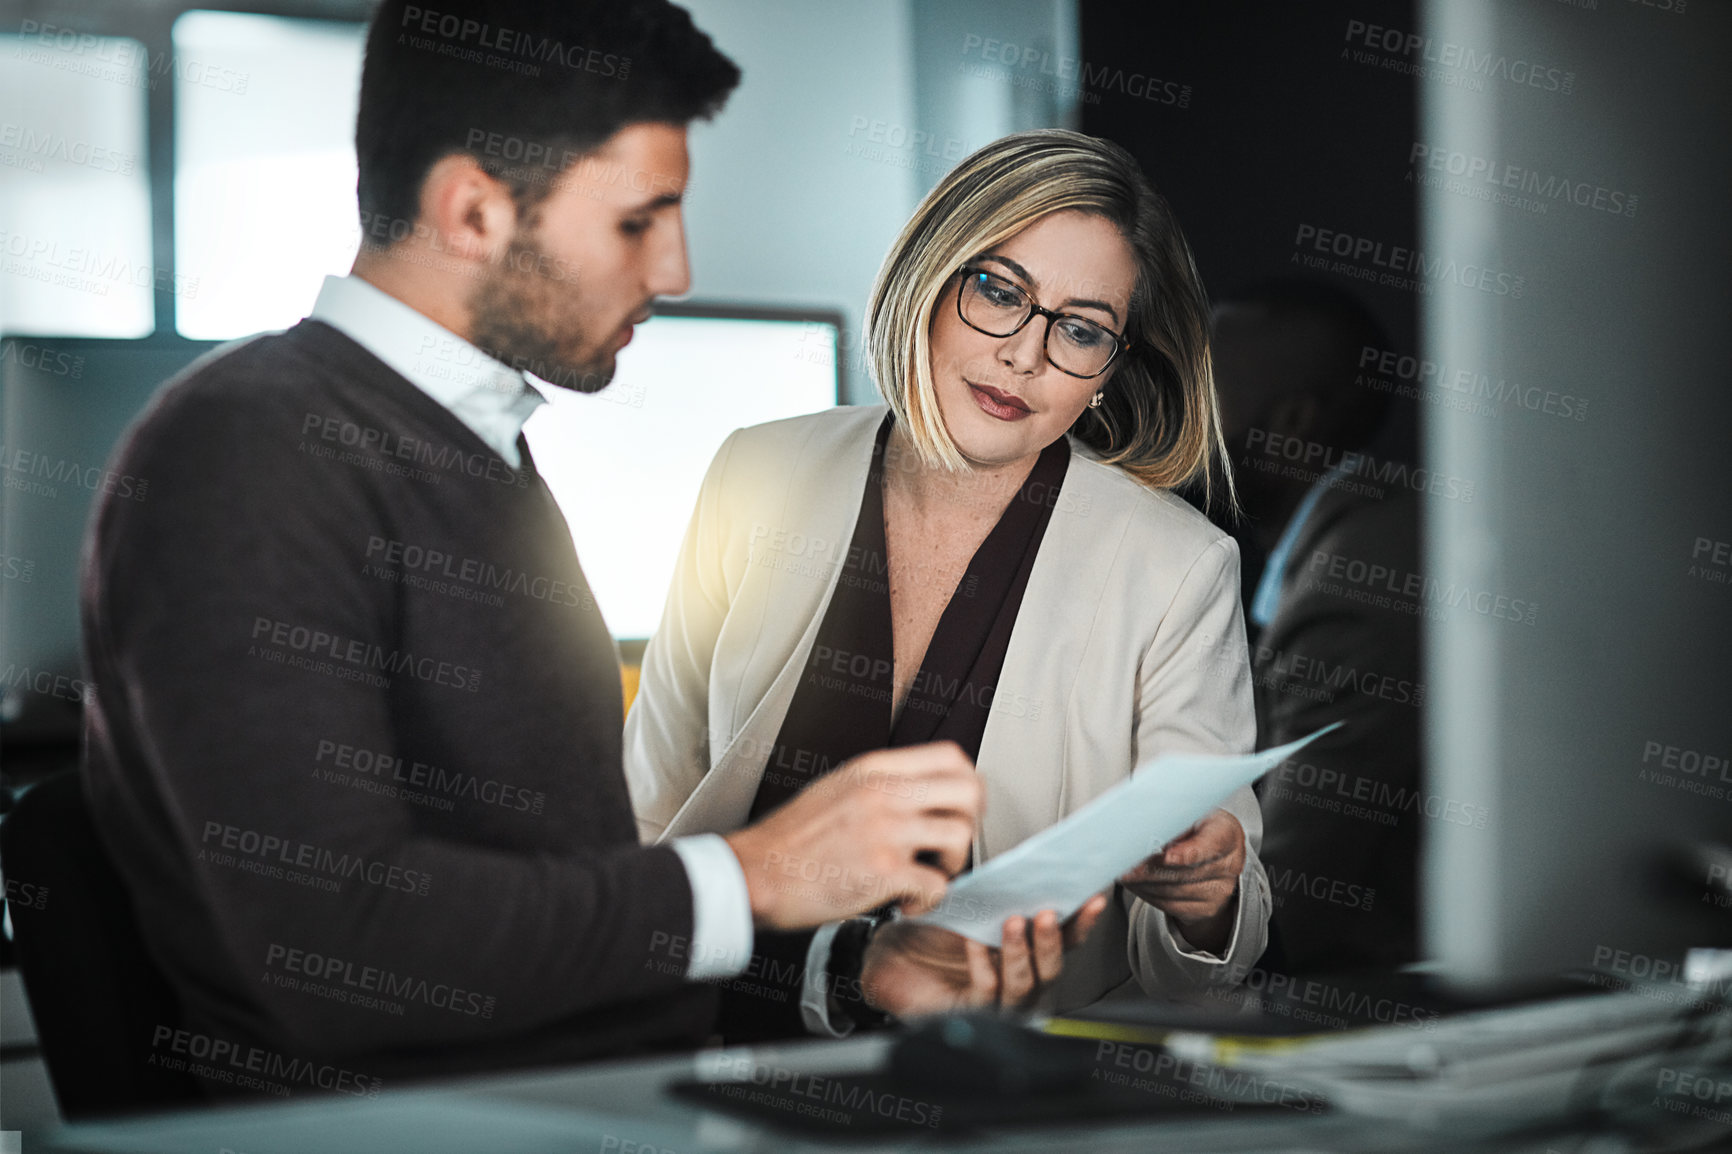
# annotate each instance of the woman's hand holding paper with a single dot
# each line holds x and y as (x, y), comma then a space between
(913, 969)
(1195, 880)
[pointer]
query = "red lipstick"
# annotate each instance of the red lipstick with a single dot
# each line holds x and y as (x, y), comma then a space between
(997, 403)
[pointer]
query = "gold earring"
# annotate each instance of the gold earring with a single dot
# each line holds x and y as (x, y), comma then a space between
(1095, 401)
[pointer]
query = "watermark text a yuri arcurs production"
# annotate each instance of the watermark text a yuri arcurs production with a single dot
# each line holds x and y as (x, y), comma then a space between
(370, 987)
(742, 1076)
(1468, 390)
(298, 862)
(408, 779)
(45, 474)
(1158, 1071)
(526, 52)
(318, 650)
(120, 60)
(249, 1067)
(1069, 77)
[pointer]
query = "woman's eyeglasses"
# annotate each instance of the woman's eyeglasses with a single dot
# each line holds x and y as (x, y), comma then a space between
(990, 304)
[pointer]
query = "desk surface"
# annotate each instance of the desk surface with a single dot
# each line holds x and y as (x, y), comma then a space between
(622, 1108)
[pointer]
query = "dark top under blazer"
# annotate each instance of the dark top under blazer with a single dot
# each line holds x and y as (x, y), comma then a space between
(842, 707)
(355, 743)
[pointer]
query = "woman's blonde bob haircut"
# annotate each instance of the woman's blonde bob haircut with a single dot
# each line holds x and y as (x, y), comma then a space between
(1158, 420)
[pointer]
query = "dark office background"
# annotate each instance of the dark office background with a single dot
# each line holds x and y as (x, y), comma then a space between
(1275, 131)
(1257, 120)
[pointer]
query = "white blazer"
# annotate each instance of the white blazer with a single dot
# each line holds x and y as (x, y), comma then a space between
(1129, 643)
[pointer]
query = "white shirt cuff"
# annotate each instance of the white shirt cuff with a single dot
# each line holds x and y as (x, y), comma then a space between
(721, 944)
(1186, 950)
(815, 990)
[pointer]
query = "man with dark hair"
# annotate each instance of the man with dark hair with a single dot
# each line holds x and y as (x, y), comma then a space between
(1330, 641)
(526, 94)
(524, 88)
(357, 748)
(1286, 356)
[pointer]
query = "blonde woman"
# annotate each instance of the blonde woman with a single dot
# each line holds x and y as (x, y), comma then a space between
(993, 557)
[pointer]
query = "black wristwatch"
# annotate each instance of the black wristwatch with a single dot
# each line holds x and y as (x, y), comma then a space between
(847, 959)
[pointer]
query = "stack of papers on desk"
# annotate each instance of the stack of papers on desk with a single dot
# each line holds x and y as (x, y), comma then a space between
(1485, 1071)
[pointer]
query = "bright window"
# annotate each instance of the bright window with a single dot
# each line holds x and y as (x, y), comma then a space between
(625, 464)
(265, 166)
(74, 193)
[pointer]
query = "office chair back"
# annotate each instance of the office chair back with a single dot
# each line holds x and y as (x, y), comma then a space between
(94, 991)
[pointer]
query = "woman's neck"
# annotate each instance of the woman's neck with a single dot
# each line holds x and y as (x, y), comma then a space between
(931, 490)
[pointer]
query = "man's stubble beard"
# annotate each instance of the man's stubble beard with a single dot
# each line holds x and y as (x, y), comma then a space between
(534, 322)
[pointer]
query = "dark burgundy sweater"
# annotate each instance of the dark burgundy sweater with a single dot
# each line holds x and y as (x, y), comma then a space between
(355, 743)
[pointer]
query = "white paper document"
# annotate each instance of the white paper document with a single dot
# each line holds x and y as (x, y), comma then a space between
(1064, 865)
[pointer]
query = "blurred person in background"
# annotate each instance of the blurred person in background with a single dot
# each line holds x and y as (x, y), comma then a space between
(1334, 617)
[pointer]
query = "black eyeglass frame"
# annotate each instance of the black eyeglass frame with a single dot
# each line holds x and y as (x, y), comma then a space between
(1120, 342)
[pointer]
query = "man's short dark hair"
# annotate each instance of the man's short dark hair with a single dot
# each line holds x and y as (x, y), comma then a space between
(1342, 329)
(523, 86)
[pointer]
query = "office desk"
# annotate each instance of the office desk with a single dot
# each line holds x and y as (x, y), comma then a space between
(621, 1108)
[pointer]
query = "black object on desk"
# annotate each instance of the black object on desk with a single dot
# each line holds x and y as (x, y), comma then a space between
(969, 1072)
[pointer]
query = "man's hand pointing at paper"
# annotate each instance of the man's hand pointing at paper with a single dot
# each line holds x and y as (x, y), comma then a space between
(1195, 880)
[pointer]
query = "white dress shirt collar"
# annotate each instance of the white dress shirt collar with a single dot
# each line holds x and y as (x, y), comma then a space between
(1268, 596)
(487, 395)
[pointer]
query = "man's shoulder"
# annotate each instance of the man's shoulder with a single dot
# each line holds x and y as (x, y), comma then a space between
(244, 408)
(254, 372)
(1355, 568)
(252, 386)
(1381, 530)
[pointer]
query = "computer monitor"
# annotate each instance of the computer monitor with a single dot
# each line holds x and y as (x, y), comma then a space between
(1583, 258)
(64, 402)
(625, 464)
